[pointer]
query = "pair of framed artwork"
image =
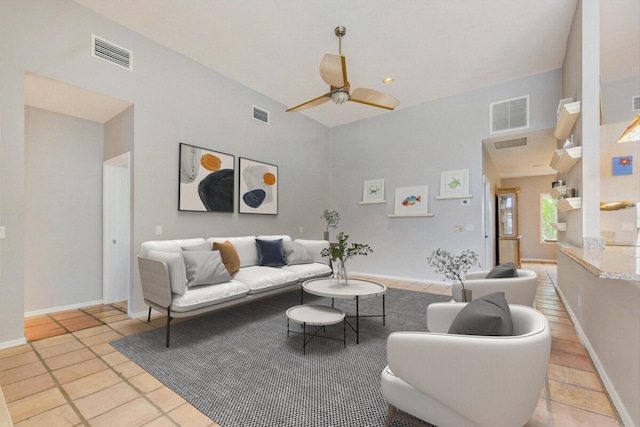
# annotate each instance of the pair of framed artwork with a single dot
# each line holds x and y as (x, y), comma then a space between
(207, 183)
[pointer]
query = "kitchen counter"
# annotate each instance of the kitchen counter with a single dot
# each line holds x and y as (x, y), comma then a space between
(614, 262)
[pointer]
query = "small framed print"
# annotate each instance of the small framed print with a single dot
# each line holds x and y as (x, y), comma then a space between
(373, 191)
(454, 184)
(412, 200)
(258, 187)
(622, 165)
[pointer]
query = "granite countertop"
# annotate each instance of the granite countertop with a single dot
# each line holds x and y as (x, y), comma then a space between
(614, 262)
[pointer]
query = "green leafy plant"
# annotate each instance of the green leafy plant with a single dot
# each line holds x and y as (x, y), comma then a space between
(454, 267)
(332, 217)
(343, 251)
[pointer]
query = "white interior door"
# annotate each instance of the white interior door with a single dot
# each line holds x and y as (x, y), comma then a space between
(488, 226)
(116, 228)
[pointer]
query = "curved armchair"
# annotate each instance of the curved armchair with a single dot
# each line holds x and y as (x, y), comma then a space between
(517, 290)
(464, 380)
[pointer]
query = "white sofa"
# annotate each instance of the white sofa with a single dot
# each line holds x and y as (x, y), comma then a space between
(518, 290)
(164, 277)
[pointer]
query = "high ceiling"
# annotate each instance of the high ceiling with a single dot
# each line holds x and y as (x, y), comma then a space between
(432, 48)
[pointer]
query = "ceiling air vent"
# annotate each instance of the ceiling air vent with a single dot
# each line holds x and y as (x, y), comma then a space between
(511, 114)
(518, 142)
(635, 103)
(260, 114)
(113, 53)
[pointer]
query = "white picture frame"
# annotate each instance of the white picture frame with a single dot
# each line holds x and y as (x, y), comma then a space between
(373, 191)
(454, 184)
(412, 200)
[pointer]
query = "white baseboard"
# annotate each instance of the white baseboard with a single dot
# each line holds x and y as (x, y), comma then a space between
(62, 308)
(12, 343)
(615, 398)
(548, 261)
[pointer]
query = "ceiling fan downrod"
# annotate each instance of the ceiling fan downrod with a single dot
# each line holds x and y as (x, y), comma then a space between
(340, 32)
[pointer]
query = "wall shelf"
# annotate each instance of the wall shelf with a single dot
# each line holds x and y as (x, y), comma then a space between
(564, 160)
(377, 202)
(409, 215)
(566, 120)
(570, 204)
(560, 226)
(559, 191)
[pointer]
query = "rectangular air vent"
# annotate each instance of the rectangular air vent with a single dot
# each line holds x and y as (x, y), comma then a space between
(511, 114)
(635, 103)
(111, 52)
(261, 114)
(518, 142)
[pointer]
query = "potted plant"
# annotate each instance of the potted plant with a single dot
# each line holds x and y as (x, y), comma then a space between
(333, 218)
(342, 252)
(454, 267)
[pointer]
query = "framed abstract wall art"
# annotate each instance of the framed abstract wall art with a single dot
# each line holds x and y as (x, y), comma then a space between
(454, 185)
(258, 187)
(373, 191)
(412, 200)
(207, 180)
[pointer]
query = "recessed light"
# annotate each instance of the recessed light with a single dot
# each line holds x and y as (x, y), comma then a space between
(388, 80)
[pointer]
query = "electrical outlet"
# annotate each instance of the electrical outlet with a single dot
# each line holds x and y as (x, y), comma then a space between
(465, 202)
(158, 230)
(301, 229)
(2, 233)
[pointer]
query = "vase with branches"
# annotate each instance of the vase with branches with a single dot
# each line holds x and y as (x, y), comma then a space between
(333, 218)
(341, 252)
(454, 267)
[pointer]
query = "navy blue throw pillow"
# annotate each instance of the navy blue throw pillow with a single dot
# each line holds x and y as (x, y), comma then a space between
(270, 253)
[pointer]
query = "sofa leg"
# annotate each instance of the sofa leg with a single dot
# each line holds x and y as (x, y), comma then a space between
(168, 324)
(149, 316)
(390, 413)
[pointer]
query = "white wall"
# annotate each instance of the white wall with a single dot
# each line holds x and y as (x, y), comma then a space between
(63, 210)
(175, 100)
(412, 147)
(531, 248)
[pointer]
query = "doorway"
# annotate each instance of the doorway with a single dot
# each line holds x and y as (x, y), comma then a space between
(116, 227)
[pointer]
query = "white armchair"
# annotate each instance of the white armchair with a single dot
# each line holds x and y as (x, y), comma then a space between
(464, 380)
(517, 290)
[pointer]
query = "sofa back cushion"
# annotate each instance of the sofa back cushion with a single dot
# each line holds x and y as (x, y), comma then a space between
(168, 245)
(245, 246)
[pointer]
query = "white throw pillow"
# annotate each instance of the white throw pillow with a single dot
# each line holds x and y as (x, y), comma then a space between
(177, 272)
(204, 268)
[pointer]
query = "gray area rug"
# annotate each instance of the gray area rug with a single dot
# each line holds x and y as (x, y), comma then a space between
(239, 367)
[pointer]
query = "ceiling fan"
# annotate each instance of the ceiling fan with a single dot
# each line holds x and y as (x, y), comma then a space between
(333, 70)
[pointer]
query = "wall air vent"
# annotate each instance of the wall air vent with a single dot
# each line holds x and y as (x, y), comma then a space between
(113, 53)
(511, 114)
(518, 142)
(261, 114)
(635, 103)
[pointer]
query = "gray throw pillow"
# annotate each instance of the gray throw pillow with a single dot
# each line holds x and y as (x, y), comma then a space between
(298, 255)
(204, 268)
(503, 271)
(488, 315)
(199, 247)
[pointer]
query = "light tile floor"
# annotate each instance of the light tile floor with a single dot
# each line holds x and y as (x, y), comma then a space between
(69, 375)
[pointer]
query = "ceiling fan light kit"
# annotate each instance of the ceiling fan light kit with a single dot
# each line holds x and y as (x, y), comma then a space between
(333, 70)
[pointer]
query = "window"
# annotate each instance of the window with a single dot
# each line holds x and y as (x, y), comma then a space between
(548, 216)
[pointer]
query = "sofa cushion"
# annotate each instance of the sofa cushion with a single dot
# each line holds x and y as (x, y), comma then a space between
(298, 255)
(229, 256)
(208, 295)
(488, 315)
(310, 270)
(168, 245)
(245, 247)
(204, 268)
(205, 246)
(260, 279)
(175, 265)
(503, 271)
(270, 253)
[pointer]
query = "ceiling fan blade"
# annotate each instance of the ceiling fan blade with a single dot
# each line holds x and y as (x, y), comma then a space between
(333, 70)
(374, 98)
(314, 102)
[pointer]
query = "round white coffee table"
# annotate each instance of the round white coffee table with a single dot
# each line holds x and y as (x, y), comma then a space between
(353, 289)
(316, 315)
